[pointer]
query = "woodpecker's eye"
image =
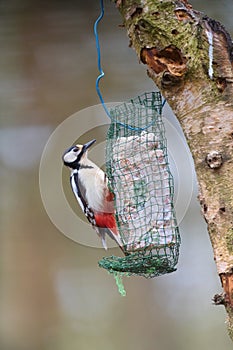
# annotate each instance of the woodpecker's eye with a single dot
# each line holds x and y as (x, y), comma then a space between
(75, 149)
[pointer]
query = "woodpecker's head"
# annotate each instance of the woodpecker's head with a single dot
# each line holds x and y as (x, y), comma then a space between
(74, 155)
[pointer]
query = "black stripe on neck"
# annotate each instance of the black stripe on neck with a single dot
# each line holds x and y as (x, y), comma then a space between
(85, 166)
(77, 166)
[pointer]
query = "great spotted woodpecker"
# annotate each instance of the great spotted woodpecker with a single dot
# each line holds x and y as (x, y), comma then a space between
(90, 187)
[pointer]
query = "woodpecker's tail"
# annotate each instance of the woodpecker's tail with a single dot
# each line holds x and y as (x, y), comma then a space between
(115, 236)
(103, 240)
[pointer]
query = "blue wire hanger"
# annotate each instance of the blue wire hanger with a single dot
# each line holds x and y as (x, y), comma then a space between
(101, 75)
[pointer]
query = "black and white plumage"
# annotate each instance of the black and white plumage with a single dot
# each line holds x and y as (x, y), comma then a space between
(89, 185)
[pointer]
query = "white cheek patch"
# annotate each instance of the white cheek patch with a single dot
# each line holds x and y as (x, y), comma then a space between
(70, 157)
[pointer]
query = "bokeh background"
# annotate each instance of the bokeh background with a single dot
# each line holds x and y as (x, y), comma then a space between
(52, 293)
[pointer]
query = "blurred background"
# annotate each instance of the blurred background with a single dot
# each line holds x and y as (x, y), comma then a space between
(53, 295)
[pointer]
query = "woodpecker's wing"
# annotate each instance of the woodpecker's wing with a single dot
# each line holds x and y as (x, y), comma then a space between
(102, 222)
(80, 194)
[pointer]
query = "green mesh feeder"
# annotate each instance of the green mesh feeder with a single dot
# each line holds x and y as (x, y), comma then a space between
(139, 176)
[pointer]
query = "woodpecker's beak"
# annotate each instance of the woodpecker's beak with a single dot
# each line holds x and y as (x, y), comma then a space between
(87, 145)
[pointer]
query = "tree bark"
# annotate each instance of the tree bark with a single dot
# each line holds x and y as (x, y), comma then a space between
(189, 57)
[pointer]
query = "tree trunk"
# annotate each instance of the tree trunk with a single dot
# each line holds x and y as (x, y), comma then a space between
(189, 57)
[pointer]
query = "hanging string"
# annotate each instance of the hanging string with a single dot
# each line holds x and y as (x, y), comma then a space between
(101, 75)
(119, 283)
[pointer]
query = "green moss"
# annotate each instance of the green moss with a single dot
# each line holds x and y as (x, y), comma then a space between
(229, 240)
(156, 28)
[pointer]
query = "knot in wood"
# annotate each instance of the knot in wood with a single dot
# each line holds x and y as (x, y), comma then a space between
(214, 159)
(169, 80)
(219, 299)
